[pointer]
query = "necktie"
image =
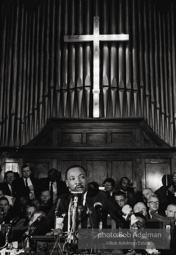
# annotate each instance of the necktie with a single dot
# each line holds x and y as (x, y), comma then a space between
(51, 191)
(26, 183)
(27, 188)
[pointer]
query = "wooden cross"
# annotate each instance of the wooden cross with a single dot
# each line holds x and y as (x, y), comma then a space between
(96, 37)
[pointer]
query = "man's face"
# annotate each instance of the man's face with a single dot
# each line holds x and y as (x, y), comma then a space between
(37, 204)
(140, 207)
(76, 179)
(153, 204)
(146, 193)
(30, 211)
(1, 193)
(45, 196)
(141, 222)
(124, 184)
(171, 211)
(174, 178)
(10, 178)
(26, 172)
(52, 175)
(120, 200)
(108, 186)
(4, 204)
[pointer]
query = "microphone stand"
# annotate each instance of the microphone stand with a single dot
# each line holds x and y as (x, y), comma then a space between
(7, 236)
(71, 244)
(74, 214)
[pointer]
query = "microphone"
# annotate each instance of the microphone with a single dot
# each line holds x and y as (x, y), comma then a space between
(98, 208)
(76, 192)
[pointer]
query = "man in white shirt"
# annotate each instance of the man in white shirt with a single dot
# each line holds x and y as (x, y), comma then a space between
(153, 205)
(26, 185)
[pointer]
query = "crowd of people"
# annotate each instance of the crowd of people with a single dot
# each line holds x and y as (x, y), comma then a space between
(34, 205)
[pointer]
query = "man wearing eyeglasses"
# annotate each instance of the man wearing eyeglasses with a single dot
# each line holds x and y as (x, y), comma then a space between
(153, 205)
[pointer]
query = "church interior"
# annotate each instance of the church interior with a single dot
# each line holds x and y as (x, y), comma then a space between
(90, 83)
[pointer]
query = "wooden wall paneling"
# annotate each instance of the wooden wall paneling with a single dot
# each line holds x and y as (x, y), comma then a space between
(121, 168)
(39, 169)
(138, 174)
(97, 170)
(155, 169)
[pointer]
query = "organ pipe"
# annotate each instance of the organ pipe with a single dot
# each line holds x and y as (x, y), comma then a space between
(43, 77)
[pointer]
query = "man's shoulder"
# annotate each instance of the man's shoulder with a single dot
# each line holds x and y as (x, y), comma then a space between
(98, 195)
(18, 181)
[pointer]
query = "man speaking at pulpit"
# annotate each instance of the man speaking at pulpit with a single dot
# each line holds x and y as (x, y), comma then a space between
(81, 207)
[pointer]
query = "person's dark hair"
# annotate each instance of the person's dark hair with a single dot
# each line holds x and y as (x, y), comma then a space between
(24, 166)
(52, 170)
(119, 193)
(93, 185)
(75, 166)
(4, 198)
(111, 180)
(166, 179)
(138, 214)
(126, 178)
(8, 172)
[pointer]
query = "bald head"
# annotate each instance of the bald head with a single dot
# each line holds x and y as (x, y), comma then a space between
(171, 210)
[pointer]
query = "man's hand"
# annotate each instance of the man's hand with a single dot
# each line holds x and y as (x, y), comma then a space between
(171, 189)
(55, 232)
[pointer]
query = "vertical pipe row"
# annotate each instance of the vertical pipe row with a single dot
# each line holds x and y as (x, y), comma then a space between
(51, 84)
(128, 63)
(170, 80)
(2, 81)
(141, 60)
(104, 64)
(79, 62)
(173, 45)
(87, 61)
(58, 51)
(20, 75)
(156, 83)
(135, 92)
(46, 106)
(65, 63)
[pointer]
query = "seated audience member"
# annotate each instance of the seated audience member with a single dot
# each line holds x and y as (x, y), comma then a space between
(140, 207)
(27, 185)
(162, 193)
(20, 206)
(46, 203)
(146, 193)
(171, 211)
(1, 193)
(93, 185)
(125, 187)
(120, 198)
(54, 184)
(7, 214)
(36, 202)
(172, 190)
(93, 205)
(109, 185)
(26, 225)
(7, 186)
(153, 205)
(30, 210)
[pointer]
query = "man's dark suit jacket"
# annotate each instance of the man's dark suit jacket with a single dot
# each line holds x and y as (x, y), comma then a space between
(45, 185)
(21, 190)
(6, 190)
(108, 204)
